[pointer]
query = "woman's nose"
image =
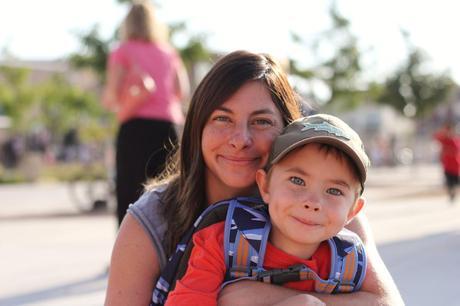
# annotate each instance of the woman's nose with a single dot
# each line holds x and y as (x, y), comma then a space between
(241, 138)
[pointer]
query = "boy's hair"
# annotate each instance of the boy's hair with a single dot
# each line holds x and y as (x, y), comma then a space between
(322, 129)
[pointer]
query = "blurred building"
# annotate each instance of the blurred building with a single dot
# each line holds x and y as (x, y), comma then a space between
(41, 71)
(387, 135)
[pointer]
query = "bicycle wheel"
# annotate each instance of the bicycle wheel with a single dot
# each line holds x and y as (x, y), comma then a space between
(90, 195)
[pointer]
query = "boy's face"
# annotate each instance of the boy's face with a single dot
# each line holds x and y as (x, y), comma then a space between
(311, 195)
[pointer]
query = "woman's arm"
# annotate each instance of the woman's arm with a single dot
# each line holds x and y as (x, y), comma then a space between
(301, 300)
(380, 288)
(111, 91)
(246, 293)
(182, 83)
(134, 266)
(378, 279)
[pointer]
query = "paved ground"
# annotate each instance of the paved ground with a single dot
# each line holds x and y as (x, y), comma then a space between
(53, 255)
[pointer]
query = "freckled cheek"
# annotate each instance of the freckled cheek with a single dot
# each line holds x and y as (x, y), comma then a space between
(212, 136)
(206, 140)
(276, 212)
(265, 142)
(282, 207)
(295, 196)
(336, 215)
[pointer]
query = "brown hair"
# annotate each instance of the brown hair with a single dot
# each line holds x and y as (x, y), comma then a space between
(185, 197)
(140, 24)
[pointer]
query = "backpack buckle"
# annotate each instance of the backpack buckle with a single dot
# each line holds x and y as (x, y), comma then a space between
(281, 276)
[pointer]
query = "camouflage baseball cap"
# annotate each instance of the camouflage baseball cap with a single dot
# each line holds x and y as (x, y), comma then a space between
(321, 128)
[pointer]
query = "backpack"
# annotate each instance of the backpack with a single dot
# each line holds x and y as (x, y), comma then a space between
(247, 227)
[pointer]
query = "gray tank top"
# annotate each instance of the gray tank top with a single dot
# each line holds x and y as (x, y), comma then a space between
(146, 210)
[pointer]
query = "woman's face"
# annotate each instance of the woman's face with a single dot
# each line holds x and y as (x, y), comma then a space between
(236, 140)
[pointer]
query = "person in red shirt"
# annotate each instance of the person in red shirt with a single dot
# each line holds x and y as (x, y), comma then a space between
(312, 185)
(449, 157)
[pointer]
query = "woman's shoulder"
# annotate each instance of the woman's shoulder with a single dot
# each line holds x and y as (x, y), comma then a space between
(147, 211)
(150, 200)
(130, 45)
(166, 49)
(119, 47)
(120, 52)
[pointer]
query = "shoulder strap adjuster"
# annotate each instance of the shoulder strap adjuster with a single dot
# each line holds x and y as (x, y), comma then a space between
(281, 276)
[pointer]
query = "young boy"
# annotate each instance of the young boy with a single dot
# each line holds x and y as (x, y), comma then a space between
(312, 185)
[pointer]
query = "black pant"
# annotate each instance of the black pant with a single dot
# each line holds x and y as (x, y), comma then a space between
(142, 146)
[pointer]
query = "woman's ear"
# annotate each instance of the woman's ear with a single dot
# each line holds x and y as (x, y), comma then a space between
(262, 183)
(355, 209)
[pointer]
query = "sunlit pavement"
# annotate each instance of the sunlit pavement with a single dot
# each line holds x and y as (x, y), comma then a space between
(53, 255)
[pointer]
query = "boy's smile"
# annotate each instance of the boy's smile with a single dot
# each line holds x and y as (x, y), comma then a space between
(310, 195)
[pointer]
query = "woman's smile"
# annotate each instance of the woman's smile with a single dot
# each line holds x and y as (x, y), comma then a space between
(239, 161)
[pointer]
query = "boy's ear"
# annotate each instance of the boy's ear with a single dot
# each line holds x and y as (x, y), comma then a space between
(261, 180)
(356, 208)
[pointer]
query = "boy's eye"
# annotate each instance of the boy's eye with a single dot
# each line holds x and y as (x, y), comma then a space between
(335, 191)
(297, 181)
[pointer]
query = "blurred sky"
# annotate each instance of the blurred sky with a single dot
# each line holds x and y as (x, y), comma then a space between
(47, 29)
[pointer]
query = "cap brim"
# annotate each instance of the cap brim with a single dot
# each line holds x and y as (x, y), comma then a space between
(333, 141)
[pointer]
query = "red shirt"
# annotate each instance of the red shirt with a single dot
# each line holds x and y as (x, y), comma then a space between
(450, 152)
(206, 269)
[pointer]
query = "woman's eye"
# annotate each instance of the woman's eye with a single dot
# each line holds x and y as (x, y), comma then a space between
(221, 119)
(263, 122)
(335, 191)
(297, 181)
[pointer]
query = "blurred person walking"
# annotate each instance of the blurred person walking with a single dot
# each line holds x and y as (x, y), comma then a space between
(146, 82)
(449, 157)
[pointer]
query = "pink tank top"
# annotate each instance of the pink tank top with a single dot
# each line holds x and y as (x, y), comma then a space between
(161, 62)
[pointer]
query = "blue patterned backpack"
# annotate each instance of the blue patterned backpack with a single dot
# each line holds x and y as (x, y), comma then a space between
(247, 227)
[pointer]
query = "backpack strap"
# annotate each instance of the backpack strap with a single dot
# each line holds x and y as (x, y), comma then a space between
(348, 262)
(245, 238)
(177, 264)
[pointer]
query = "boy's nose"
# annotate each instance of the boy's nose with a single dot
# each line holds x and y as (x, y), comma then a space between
(312, 207)
(312, 203)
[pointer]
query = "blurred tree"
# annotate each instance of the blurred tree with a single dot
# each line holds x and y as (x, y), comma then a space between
(94, 53)
(192, 52)
(62, 107)
(341, 71)
(412, 90)
(55, 104)
(16, 96)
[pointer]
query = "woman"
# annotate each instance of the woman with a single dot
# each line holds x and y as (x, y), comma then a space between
(145, 84)
(234, 116)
